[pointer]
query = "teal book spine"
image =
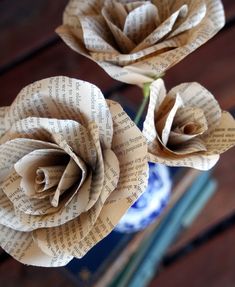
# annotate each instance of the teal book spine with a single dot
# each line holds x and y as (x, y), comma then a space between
(198, 204)
(170, 228)
(145, 261)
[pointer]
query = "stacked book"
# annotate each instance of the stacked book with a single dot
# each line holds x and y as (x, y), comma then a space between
(133, 259)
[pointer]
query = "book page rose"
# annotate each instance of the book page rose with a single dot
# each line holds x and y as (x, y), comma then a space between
(71, 164)
(186, 126)
(137, 41)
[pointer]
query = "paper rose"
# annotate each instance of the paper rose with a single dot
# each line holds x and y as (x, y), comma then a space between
(71, 164)
(186, 127)
(136, 41)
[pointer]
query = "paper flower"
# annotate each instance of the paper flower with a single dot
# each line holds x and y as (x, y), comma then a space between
(137, 41)
(186, 127)
(71, 164)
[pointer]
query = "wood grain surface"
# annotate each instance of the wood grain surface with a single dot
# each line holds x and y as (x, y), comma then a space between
(211, 265)
(26, 26)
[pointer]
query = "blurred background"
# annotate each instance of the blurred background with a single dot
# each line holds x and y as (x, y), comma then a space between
(203, 254)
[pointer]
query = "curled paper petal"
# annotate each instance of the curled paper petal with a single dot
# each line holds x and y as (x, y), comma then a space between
(8, 217)
(52, 96)
(3, 111)
(139, 40)
(186, 126)
(22, 247)
(8, 157)
(67, 158)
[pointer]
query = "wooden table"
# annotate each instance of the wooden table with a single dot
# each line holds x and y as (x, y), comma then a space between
(30, 50)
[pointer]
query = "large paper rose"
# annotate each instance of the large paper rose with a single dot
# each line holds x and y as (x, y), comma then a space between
(136, 41)
(71, 164)
(186, 126)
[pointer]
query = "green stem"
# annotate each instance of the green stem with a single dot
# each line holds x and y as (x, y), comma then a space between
(141, 110)
(146, 93)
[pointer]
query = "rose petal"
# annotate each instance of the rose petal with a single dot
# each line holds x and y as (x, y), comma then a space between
(197, 11)
(199, 161)
(176, 138)
(3, 111)
(21, 246)
(163, 9)
(95, 36)
(104, 225)
(129, 145)
(125, 75)
(11, 187)
(112, 172)
(28, 165)
(72, 175)
(187, 118)
(72, 210)
(124, 43)
(223, 137)
(73, 231)
(141, 21)
(98, 170)
(73, 38)
(13, 150)
(64, 146)
(115, 12)
(161, 31)
(63, 238)
(195, 95)
(131, 5)
(164, 123)
(46, 194)
(49, 94)
(8, 217)
(123, 59)
(75, 135)
(47, 177)
(157, 96)
(188, 147)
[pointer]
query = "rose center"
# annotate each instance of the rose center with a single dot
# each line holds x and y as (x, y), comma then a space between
(191, 128)
(48, 174)
(48, 177)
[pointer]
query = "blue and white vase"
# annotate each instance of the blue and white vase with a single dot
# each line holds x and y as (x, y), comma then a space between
(150, 204)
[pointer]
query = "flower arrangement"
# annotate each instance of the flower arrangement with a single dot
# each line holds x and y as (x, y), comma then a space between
(72, 162)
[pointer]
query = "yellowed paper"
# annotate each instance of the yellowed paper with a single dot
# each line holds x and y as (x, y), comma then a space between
(23, 248)
(223, 137)
(139, 41)
(186, 127)
(3, 111)
(71, 164)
